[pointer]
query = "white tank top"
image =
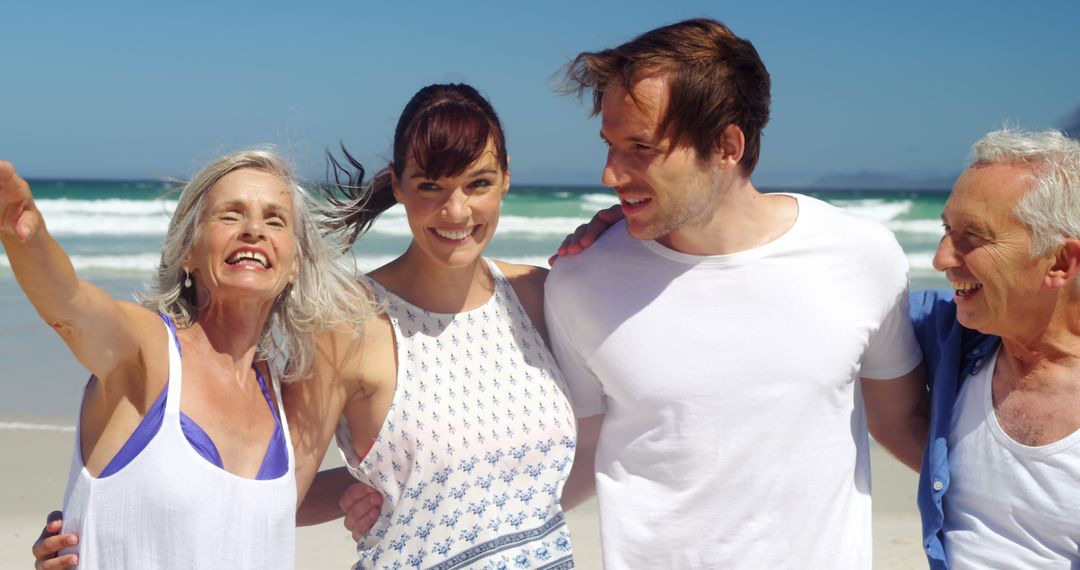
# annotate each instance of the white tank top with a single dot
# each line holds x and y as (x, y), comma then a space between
(171, 508)
(476, 446)
(1009, 505)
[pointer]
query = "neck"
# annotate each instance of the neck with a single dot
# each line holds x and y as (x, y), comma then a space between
(740, 218)
(231, 331)
(1035, 356)
(434, 286)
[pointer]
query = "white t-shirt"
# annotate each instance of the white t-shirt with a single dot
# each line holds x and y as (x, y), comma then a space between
(1009, 505)
(734, 432)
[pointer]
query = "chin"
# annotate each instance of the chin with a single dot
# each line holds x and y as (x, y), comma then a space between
(459, 258)
(642, 231)
(971, 322)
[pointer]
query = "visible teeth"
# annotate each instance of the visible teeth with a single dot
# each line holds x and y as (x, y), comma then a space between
(634, 201)
(966, 287)
(454, 234)
(242, 256)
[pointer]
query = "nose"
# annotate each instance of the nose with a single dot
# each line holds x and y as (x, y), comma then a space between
(456, 206)
(254, 227)
(946, 257)
(614, 173)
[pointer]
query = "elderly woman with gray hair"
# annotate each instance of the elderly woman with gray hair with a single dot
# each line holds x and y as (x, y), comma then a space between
(183, 457)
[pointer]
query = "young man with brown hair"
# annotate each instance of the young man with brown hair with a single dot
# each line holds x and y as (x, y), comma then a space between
(717, 347)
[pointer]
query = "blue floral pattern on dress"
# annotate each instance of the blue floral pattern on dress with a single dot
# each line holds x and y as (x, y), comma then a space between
(476, 446)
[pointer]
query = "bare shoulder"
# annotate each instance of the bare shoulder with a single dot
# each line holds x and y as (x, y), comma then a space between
(528, 284)
(141, 319)
(346, 357)
(142, 348)
(528, 278)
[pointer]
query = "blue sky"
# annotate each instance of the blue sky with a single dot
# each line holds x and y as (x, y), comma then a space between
(134, 90)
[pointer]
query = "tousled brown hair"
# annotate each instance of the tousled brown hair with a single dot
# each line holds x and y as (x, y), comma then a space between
(715, 79)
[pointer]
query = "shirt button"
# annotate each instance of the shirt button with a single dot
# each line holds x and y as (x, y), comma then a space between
(938, 485)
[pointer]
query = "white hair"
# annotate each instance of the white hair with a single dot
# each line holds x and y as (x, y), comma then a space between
(1051, 207)
(325, 293)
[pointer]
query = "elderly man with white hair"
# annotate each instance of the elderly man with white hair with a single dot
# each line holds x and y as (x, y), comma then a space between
(1000, 482)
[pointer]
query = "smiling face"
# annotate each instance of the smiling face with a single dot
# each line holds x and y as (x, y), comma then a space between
(661, 189)
(245, 242)
(986, 251)
(454, 217)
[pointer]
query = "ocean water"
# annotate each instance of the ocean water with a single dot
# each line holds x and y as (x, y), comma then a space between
(113, 229)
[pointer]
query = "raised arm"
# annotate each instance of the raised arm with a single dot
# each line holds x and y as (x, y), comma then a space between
(101, 332)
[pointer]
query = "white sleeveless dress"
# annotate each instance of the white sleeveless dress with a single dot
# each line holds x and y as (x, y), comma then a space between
(171, 508)
(476, 446)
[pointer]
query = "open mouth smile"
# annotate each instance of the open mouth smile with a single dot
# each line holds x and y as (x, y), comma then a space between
(249, 258)
(631, 205)
(454, 234)
(965, 289)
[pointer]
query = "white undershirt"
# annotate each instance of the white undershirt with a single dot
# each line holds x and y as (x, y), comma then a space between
(1009, 505)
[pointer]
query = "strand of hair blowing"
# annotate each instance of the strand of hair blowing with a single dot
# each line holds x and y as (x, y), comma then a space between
(354, 206)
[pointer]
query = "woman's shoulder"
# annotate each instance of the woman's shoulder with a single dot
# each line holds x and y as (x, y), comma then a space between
(148, 328)
(143, 370)
(523, 275)
(528, 284)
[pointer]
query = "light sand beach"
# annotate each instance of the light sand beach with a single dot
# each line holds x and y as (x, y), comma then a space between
(34, 468)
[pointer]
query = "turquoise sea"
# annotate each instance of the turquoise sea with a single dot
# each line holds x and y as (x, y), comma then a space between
(113, 232)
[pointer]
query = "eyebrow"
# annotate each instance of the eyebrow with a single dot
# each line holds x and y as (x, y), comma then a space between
(633, 139)
(473, 174)
(229, 204)
(979, 228)
(271, 207)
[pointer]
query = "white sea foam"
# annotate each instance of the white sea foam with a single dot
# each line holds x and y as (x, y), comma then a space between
(593, 202)
(877, 208)
(23, 426)
(118, 217)
(553, 226)
(929, 227)
(135, 263)
(108, 225)
(921, 262)
(50, 207)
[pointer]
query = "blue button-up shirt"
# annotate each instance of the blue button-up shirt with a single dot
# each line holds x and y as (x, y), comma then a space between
(952, 353)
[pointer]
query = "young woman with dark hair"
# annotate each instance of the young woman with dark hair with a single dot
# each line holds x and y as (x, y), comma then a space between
(453, 407)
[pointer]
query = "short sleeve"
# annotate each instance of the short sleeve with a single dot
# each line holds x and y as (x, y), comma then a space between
(893, 350)
(586, 393)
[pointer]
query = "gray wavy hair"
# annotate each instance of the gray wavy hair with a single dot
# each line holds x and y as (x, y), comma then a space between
(326, 292)
(1051, 208)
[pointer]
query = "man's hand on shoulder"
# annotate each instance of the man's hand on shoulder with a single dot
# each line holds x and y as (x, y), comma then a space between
(586, 234)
